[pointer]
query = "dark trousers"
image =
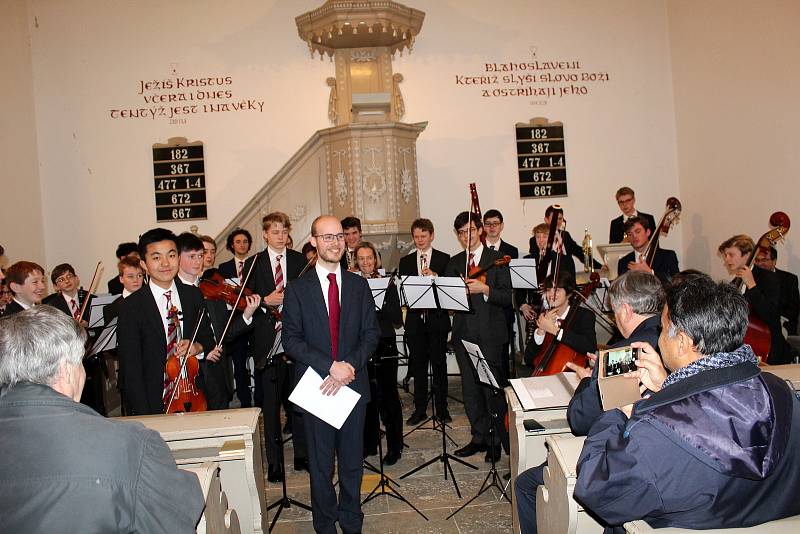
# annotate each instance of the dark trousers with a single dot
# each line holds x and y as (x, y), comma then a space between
(525, 497)
(324, 442)
(215, 384)
(277, 377)
(241, 375)
(429, 346)
(479, 401)
(385, 400)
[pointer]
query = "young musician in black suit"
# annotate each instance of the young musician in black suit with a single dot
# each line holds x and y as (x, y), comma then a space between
(329, 325)
(238, 243)
(789, 306)
(213, 367)
(569, 247)
(426, 330)
(27, 283)
(382, 367)
(762, 291)
(143, 324)
(665, 262)
(70, 297)
(580, 336)
(352, 237)
(124, 250)
(484, 325)
(626, 200)
(131, 277)
(210, 256)
(275, 269)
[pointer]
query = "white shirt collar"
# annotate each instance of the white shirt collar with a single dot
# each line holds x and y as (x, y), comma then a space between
(495, 245)
(187, 282)
(476, 255)
(158, 291)
(626, 217)
(274, 255)
(24, 306)
(126, 293)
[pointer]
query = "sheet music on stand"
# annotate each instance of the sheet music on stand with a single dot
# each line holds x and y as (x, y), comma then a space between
(379, 287)
(452, 293)
(416, 292)
(107, 340)
(523, 273)
(485, 375)
(96, 312)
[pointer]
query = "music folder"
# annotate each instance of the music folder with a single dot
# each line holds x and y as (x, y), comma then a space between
(333, 409)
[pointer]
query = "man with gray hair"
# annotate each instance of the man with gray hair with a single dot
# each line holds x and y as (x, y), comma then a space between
(65, 468)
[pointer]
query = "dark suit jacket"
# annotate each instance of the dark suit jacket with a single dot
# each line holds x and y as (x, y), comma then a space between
(111, 310)
(262, 282)
(115, 286)
(57, 301)
(665, 264)
(507, 249)
(585, 407)
(435, 320)
(228, 268)
(764, 300)
(306, 333)
(616, 232)
(142, 345)
(789, 306)
(391, 315)
(580, 337)
(486, 323)
(12, 308)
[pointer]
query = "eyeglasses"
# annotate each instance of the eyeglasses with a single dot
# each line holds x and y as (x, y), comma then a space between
(462, 233)
(330, 238)
(492, 224)
(64, 278)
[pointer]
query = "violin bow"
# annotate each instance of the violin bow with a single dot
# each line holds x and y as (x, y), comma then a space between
(92, 287)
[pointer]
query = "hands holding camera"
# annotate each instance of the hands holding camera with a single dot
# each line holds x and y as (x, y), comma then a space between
(651, 371)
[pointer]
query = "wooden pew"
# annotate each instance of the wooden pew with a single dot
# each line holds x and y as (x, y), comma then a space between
(217, 518)
(232, 439)
(788, 525)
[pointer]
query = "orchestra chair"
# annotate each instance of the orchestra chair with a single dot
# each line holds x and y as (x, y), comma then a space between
(556, 511)
(231, 438)
(217, 517)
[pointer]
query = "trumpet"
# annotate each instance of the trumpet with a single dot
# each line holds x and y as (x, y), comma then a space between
(588, 264)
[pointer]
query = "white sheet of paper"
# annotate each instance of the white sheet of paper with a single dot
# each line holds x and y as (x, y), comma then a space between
(523, 273)
(333, 409)
(418, 292)
(453, 293)
(541, 392)
(485, 375)
(378, 286)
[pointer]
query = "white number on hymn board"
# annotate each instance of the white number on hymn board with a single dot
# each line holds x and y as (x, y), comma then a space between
(179, 168)
(541, 190)
(537, 162)
(170, 184)
(539, 133)
(181, 213)
(179, 153)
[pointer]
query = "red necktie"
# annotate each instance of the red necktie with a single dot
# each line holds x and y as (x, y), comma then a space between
(278, 272)
(76, 312)
(333, 314)
(471, 266)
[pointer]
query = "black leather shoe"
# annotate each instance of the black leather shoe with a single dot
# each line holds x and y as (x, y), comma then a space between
(274, 473)
(370, 452)
(416, 418)
(445, 418)
(287, 428)
(392, 457)
(470, 449)
(301, 464)
(495, 451)
(507, 476)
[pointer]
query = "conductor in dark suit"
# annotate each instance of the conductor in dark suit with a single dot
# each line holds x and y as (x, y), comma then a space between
(143, 325)
(484, 325)
(426, 330)
(626, 200)
(665, 262)
(329, 325)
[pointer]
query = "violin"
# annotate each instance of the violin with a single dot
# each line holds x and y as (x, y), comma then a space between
(182, 393)
(758, 334)
(216, 288)
(479, 273)
(554, 355)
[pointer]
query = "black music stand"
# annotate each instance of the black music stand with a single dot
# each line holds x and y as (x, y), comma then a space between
(487, 379)
(285, 501)
(444, 299)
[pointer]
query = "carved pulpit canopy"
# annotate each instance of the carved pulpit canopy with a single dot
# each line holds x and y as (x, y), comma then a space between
(341, 24)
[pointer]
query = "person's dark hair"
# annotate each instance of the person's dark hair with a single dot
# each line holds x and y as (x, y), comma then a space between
(493, 213)
(123, 249)
(687, 274)
(625, 191)
(566, 281)
(713, 314)
(464, 217)
(154, 236)
(2, 250)
(20, 271)
(232, 236)
(308, 247)
(422, 224)
(351, 222)
(636, 220)
(643, 292)
(188, 242)
(549, 211)
(61, 269)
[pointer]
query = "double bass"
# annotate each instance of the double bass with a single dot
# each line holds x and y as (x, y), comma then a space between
(758, 334)
(668, 220)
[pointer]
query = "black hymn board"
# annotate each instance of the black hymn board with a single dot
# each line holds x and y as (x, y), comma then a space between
(180, 181)
(541, 160)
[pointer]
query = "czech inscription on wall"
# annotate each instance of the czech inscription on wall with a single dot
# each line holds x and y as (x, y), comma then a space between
(177, 98)
(541, 159)
(180, 180)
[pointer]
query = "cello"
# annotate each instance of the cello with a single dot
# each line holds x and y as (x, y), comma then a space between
(758, 334)
(554, 355)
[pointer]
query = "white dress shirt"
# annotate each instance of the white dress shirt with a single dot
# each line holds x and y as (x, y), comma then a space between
(322, 274)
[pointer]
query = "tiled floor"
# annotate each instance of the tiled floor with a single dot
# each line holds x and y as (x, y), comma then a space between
(427, 489)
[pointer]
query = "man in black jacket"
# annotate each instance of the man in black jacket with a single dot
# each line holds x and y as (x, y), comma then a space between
(484, 325)
(426, 330)
(665, 262)
(789, 306)
(146, 326)
(65, 468)
(570, 247)
(714, 445)
(636, 299)
(626, 200)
